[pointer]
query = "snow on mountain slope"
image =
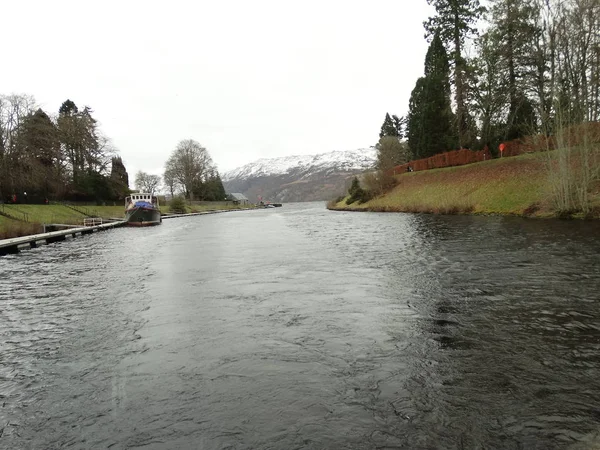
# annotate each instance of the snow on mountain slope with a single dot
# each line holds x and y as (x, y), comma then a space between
(343, 161)
(299, 178)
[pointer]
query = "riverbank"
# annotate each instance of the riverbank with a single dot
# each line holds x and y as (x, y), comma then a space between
(33, 240)
(517, 186)
(23, 220)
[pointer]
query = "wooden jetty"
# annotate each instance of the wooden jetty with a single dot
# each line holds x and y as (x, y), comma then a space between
(91, 225)
(11, 246)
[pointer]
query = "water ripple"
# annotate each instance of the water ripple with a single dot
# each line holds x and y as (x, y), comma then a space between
(303, 328)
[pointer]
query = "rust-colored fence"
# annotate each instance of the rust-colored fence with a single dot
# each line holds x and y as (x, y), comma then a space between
(448, 159)
(573, 136)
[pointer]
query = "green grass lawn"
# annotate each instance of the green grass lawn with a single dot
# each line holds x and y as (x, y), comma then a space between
(45, 213)
(107, 212)
(63, 214)
(517, 185)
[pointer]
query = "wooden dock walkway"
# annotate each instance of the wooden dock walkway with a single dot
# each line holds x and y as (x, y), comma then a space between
(11, 246)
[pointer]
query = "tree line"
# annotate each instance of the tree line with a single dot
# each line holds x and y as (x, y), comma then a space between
(59, 155)
(64, 156)
(535, 68)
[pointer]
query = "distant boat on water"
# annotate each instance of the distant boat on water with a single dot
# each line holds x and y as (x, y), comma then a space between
(270, 205)
(141, 210)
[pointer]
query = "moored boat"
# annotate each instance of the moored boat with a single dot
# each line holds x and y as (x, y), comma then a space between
(141, 210)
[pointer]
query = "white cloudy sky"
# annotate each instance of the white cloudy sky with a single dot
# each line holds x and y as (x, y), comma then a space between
(247, 79)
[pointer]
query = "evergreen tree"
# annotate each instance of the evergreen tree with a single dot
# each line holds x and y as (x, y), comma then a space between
(119, 178)
(86, 156)
(489, 96)
(393, 126)
(356, 193)
(38, 138)
(37, 155)
(429, 123)
(354, 186)
(118, 172)
(389, 127)
(515, 31)
(454, 22)
(400, 124)
(218, 188)
(522, 118)
(68, 129)
(211, 189)
(92, 154)
(68, 108)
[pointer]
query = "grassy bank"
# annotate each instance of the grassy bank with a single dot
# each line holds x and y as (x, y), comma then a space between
(12, 228)
(509, 186)
(33, 216)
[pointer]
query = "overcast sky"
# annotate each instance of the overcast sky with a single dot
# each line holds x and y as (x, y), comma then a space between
(246, 79)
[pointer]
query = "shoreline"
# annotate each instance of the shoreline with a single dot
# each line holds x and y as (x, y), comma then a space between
(15, 244)
(544, 216)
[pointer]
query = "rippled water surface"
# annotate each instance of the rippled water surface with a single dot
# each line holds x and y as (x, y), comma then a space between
(297, 328)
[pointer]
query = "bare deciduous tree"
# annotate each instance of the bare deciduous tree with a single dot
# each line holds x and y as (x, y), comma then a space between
(13, 109)
(147, 183)
(169, 181)
(188, 165)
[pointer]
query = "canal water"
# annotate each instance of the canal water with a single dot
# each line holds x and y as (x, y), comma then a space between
(300, 328)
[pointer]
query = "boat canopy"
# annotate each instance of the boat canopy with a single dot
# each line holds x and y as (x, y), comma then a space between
(147, 198)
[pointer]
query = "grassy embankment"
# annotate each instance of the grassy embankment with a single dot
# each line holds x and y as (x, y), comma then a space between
(510, 186)
(36, 215)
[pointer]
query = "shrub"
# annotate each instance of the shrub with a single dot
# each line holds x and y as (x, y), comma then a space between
(357, 194)
(12, 229)
(178, 206)
(365, 197)
(379, 182)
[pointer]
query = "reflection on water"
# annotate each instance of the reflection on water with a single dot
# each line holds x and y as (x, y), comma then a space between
(304, 328)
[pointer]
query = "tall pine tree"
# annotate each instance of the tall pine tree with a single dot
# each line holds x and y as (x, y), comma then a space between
(217, 190)
(389, 127)
(455, 21)
(38, 157)
(430, 118)
(489, 96)
(119, 177)
(393, 126)
(513, 24)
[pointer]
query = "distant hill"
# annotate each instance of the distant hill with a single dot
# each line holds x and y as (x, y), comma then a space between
(299, 178)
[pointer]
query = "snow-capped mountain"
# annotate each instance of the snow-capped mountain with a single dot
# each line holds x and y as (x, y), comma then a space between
(299, 178)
